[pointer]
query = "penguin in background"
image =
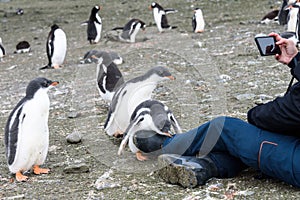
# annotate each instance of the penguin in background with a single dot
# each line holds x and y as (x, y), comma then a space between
(150, 115)
(26, 130)
(283, 12)
(93, 55)
(56, 47)
(22, 47)
(2, 50)
(293, 21)
(94, 26)
(109, 77)
(130, 30)
(198, 22)
(160, 16)
(272, 16)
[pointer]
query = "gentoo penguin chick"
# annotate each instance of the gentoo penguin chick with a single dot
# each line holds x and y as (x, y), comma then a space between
(22, 47)
(26, 130)
(160, 16)
(93, 55)
(129, 96)
(56, 47)
(150, 115)
(198, 21)
(109, 77)
(130, 30)
(94, 26)
(2, 50)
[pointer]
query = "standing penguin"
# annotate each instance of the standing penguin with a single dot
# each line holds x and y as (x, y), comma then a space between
(198, 21)
(56, 47)
(109, 77)
(160, 16)
(26, 131)
(129, 96)
(150, 115)
(293, 20)
(130, 30)
(2, 50)
(94, 26)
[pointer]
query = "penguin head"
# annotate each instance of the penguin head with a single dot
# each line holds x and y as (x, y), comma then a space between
(54, 27)
(161, 72)
(37, 84)
(95, 9)
(103, 57)
(155, 5)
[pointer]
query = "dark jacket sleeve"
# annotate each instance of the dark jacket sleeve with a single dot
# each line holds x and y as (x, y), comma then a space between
(282, 115)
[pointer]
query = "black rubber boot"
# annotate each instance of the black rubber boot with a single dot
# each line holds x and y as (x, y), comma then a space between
(187, 171)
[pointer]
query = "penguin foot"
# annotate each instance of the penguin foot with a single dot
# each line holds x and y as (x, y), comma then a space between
(168, 134)
(118, 134)
(140, 156)
(38, 170)
(20, 177)
(56, 66)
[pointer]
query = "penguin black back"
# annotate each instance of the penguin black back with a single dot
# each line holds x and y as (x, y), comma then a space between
(92, 30)
(50, 43)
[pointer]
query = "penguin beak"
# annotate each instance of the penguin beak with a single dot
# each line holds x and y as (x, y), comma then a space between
(171, 77)
(150, 8)
(54, 83)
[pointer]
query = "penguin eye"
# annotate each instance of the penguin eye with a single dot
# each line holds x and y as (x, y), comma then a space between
(141, 119)
(45, 84)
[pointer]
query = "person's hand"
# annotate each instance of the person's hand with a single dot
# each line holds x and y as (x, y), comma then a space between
(287, 47)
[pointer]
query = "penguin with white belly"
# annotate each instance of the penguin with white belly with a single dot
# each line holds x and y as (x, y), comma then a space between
(26, 130)
(160, 16)
(94, 26)
(150, 115)
(56, 47)
(2, 50)
(129, 95)
(198, 22)
(130, 30)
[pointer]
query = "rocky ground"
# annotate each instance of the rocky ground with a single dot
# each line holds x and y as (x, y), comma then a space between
(218, 72)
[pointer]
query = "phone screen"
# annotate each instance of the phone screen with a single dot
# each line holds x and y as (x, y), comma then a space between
(267, 46)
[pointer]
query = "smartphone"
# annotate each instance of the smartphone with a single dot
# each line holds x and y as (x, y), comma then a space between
(267, 45)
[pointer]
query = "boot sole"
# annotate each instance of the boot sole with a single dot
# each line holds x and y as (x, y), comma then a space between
(177, 174)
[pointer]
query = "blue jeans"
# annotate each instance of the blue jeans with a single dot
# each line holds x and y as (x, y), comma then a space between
(234, 144)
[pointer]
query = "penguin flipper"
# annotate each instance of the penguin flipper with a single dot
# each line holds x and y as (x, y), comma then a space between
(170, 10)
(46, 67)
(175, 123)
(117, 28)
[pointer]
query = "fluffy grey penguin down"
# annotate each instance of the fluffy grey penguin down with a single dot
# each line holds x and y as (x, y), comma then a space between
(26, 130)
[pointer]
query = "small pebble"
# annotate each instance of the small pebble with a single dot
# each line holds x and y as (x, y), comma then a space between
(74, 138)
(76, 168)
